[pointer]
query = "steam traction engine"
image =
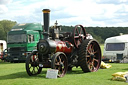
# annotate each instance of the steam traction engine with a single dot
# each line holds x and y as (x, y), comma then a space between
(62, 51)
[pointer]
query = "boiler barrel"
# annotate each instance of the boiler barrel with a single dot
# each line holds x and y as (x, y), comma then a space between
(64, 46)
(51, 46)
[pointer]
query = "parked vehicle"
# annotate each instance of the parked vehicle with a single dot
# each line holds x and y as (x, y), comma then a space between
(63, 51)
(116, 48)
(21, 40)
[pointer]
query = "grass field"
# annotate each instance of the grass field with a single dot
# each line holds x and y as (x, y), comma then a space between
(15, 74)
(102, 48)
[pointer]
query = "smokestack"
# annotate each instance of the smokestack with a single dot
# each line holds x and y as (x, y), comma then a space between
(46, 19)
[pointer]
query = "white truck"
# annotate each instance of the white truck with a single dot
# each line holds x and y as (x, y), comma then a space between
(116, 49)
(3, 46)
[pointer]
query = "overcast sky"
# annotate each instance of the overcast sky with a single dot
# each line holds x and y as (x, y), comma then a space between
(67, 12)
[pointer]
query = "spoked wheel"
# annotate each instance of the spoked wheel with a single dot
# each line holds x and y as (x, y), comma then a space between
(89, 55)
(60, 63)
(32, 64)
(79, 34)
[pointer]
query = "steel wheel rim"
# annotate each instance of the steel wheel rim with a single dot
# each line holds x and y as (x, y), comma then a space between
(93, 56)
(33, 64)
(61, 65)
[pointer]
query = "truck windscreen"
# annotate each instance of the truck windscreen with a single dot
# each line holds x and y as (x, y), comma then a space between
(115, 46)
(16, 38)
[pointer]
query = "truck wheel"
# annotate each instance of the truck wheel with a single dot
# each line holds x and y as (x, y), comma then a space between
(89, 55)
(60, 63)
(32, 64)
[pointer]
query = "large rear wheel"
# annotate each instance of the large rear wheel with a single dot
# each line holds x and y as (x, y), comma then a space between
(89, 55)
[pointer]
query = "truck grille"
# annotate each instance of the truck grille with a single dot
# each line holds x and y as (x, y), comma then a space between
(15, 54)
(17, 49)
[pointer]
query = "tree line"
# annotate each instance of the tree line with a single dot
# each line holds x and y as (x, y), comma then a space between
(5, 27)
(99, 33)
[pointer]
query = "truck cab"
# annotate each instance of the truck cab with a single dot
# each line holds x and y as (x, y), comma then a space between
(21, 40)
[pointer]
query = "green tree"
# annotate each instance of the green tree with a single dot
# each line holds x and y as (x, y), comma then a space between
(5, 27)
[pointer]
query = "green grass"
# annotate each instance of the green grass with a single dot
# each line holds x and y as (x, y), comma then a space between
(15, 74)
(102, 48)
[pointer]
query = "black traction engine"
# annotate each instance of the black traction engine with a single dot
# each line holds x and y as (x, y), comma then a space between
(63, 50)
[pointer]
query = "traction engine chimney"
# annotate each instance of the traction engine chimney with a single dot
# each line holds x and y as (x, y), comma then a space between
(46, 19)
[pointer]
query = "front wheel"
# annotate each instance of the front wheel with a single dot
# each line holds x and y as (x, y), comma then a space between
(60, 63)
(32, 64)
